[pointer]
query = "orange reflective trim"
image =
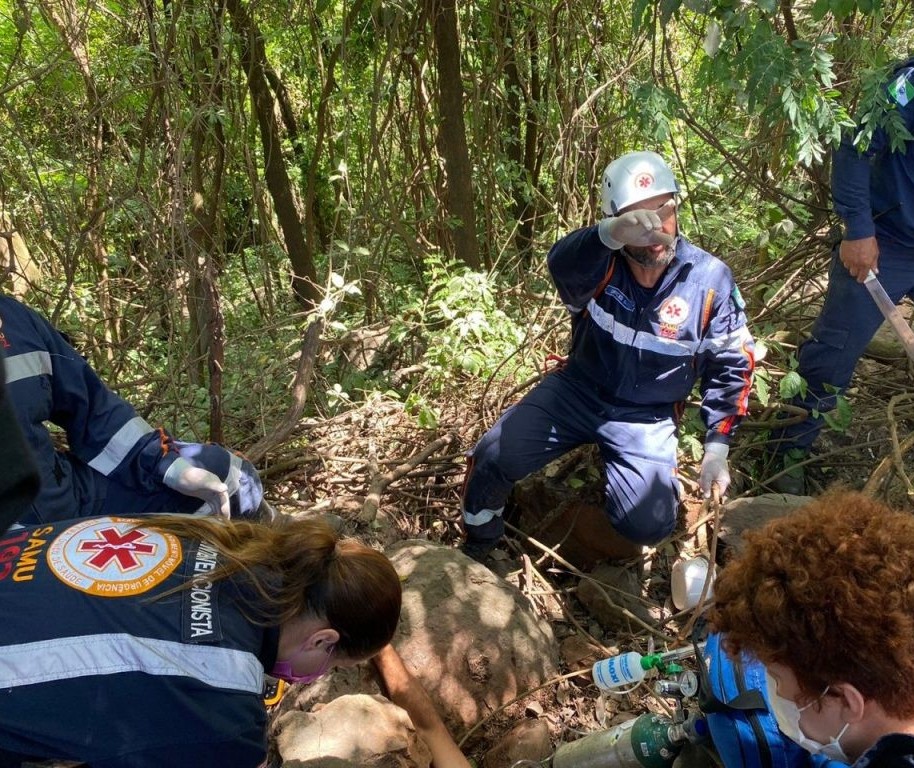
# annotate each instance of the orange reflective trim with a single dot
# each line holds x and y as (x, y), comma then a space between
(163, 441)
(743, 400)
(605, 281)
(706, 310)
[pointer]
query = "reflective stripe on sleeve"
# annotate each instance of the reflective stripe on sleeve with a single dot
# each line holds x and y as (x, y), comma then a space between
(735, 341)
(120, 445)
(109, 654)
(28, 365)
(233, 479)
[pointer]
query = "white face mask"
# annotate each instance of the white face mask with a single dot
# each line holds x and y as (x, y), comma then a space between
(787, 713)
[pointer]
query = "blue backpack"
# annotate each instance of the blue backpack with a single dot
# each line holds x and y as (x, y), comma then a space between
(733, 695)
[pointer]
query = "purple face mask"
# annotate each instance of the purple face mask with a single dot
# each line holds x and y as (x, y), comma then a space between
(283, 669)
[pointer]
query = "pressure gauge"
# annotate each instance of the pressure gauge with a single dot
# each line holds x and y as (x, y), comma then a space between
(688, 683)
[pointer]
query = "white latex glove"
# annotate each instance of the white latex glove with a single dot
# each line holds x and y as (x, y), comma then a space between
(640, 227)
(715, 469)
(184, 477)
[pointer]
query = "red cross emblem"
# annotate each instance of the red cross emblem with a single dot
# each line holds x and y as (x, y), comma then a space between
(123, 548)
(673, 311)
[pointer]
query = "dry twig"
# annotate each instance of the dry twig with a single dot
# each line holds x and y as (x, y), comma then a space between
(379, 481)
(300, 386)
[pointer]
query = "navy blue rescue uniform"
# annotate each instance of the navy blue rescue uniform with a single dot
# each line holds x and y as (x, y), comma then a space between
(19, 481)
(873, 193)
(893, 751)
(636, 355)
(94, 668)
(115, 462)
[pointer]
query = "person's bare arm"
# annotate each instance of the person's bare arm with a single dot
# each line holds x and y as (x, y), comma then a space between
(406, 692)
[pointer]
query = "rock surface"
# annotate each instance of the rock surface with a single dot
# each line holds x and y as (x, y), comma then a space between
(375, 733)
(528, 740)
(471, 639)
(752, 512)
(623, 588)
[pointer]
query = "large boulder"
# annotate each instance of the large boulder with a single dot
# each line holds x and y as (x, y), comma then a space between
(623, 588)
(749, 513)
(472, 639)
(527, 742)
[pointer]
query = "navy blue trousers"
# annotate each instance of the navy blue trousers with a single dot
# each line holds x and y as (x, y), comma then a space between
(637, 444)
(847, 323)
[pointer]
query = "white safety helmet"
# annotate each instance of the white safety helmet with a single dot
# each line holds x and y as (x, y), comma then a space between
(635, 177)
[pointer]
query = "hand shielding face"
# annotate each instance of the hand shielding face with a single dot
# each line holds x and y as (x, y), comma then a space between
(638, 227)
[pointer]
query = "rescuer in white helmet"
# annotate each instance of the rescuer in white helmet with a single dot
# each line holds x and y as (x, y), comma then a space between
(639, 202)
(652, 314)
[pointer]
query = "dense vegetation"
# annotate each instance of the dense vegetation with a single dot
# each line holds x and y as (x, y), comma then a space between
(190, 183)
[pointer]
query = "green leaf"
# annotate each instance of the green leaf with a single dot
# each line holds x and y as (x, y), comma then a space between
(792, 385)
(641, 14)
(839, 419)
(762, 391)
(691, 445)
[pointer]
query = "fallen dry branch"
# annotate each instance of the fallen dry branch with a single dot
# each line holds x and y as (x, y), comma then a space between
(714, 506)
(300, 387)
(885, 467)
(380, 481)
(520, 697)
(897, 452)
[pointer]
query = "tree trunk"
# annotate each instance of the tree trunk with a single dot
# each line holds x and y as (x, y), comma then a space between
(254, 60)
(203, 243)
(71, 27)
(521, 128)
(452, 139)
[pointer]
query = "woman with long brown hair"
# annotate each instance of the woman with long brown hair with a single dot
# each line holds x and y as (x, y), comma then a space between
(145, 643)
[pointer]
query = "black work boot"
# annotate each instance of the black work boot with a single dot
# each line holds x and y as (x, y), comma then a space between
(479, 549)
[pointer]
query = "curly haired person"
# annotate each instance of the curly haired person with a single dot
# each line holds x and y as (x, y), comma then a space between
(825, 599)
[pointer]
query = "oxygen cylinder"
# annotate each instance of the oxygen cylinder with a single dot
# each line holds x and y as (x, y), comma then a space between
(648, 741)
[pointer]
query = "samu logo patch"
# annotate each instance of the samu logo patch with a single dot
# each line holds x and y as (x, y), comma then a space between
(111, 557)
(674, 311)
